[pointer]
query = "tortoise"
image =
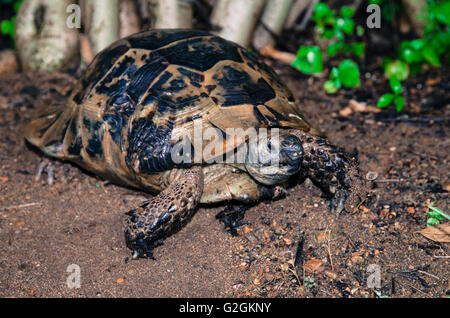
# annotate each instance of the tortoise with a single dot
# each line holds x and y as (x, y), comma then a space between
(146, 94)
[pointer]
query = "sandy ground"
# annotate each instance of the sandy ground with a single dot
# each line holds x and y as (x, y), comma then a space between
(44, 229)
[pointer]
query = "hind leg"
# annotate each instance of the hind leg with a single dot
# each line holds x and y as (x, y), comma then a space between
(53, 169)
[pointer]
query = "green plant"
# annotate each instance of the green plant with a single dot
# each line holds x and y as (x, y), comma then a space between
(309, 60)
(7, 26)
(435, 215)
(308, 282)
(335, 28)
(396, 68)
(412, 54)
(386, 99)
(346, 74)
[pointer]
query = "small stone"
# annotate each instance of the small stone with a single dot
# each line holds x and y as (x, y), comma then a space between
(120, 280)
(287, 241)
(330, 274)
(357, 258)
(410, 209)
(371, 175)
(245, 229)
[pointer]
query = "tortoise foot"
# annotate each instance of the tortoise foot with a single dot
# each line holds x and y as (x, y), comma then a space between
(335, 172)
(148, 225)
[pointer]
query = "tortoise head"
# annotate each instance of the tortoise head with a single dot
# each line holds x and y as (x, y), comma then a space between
(275, 158)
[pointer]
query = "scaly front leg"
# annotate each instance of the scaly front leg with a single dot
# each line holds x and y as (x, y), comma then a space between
(165, 214)
(334, 170)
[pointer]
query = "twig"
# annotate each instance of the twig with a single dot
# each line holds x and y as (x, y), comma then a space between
(431, 275)
(413, 288)
(25, 205)
(296, 276)
(388, 180)
(329, 250)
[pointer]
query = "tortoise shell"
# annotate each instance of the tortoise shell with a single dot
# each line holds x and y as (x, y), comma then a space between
(144, 93)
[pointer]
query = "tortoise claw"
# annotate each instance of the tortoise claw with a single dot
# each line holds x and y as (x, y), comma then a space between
(51, 168)
(338, 202)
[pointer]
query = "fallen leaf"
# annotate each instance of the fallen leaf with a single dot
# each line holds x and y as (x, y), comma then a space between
(433, 81)
(314, 265)
(437, 233)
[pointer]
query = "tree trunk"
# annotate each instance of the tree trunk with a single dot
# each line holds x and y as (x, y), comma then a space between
(272, 20)
(129, 19)
(101, 21)
(44, 40)
(414, 9)
(297, 8)
(237, 19)
(170, 14)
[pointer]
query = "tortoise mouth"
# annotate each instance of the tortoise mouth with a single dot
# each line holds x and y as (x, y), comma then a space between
(293, 169)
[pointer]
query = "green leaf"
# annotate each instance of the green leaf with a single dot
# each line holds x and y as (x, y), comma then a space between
(432, 221)
(408, 55)
(16, 5)
(345, 24)
(321, 10)
(417, 44)
(319, 29)
(429, 55)
(309, 60)
(358, 48)
(7, 27)
(302, 65)
(339, 35)
(442, 12)
(349, 73)
(331, 87)
(328, 33)
(395, 84)
(333, 48)
(334, 74)
(439, 211)
(359, 30)
(398, 68)
(399, 102)
(435, 215)
(385, 100)
(347, 12)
